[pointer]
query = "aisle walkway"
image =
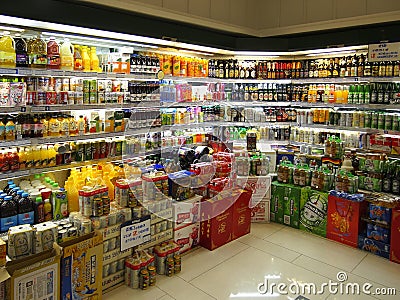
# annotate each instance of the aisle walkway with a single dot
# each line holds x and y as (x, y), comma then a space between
(287, 255)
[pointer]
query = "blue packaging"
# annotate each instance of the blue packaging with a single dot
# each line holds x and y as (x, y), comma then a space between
(378, 233)
(380, 213)
(375, 247)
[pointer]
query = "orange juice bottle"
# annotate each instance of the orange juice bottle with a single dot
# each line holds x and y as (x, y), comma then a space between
(191, 67)
(94, 60)
(10, 129)
(184, 64)
(67, 56)
(53, 54)
(85, 59)
(22, 158)
(176, 69)
(167, 66)
(54, 126)
(345, 94)
(8, 56)
(78, 63)
(51, 156)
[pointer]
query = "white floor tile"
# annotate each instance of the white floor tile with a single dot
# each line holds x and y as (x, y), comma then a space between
(343, 257)
(202, 260)
(240, 276)
(263, 230)
(124, 292)
(166, 297)
(268, 247)
(380, 270)
(180, 289)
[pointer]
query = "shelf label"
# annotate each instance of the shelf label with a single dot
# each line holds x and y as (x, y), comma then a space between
(8, 71)
(25, 72)
(135, 232)
(41, 72)
(384, 52)
(23, 108)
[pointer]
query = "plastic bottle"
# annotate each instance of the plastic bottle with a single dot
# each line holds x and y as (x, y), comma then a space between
(67, 56)
(48, 210)
(7, 51)
(21, 51)
(78, 63)
(2, 130)
(7, 187)
(94, 60)
(26, 214)
(53, 54)
(39, 210)
(81, 125)
(85, 59)
(73, 196)
(37, 53)
(54, 126)
(10, 129)
(8, 214)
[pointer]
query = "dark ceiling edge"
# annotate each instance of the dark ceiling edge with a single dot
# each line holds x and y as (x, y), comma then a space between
(107, 18)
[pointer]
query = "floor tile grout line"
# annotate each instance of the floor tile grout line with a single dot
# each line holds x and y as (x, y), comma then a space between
(166, 293)
(218, 263)
(366, 254)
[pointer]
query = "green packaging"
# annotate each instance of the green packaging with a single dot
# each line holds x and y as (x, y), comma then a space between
(313, 213)
(291, 205)
(277, 195)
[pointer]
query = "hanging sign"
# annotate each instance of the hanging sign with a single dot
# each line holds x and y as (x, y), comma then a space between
(384, 52)
(135, 232)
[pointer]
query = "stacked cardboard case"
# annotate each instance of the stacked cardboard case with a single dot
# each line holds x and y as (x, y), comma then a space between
(186, 217)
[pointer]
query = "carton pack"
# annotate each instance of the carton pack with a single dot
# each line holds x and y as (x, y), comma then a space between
(395, 236)
(260, 210)
(187, 237)
(241, 215)
(291, 204)
(44, 237)
(81, 268)
(313, 212)
(20, 241)
(277, 195)
(36, 277)
(186, 212)
(260, 186)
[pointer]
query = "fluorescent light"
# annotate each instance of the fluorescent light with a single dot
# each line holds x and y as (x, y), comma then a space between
(260, 53)
(331, 50)
(332, 53)
(6, 28)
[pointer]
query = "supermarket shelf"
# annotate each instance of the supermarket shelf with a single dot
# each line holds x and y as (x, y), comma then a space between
(157, 238)
(15, 174)
(354, 129)
(59, 107)
(16, 143)
(331, 80)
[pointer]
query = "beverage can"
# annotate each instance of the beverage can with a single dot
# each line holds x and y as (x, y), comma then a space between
(97, 207)
(112, 219)
(112, 244)
(86, 85)
(86, 97)
(86, 227)
(106, 246)
(73, 232)
(121, 264)
(62, 235)
(106, 205)
(113, 267)
(51, 98)
(106, 270)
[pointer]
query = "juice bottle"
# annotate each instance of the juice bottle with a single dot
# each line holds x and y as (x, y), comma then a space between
(22, 158)
(39, 210)
(14, 160)
(67, 56)
(43, 156)
(81, 125)
(2, 130)
(176, 68)
(38, 126)
(21, 51)
(85, 59)
(7, 51)
(51, 156)
(53, 54)
(26, 214)
(60, 203)
(37, 53)
(29, 162)
(78, 63)
(8, 214)
(73, 197)
(48, 210)
(94, 60)
(54, 126)
(45, 123)
(36, 160)
(10, 129)
(73, 126)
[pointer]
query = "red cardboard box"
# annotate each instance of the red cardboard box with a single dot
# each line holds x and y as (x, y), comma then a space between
(242, 215)
(344, 220)
(395, 236)
(216, 221)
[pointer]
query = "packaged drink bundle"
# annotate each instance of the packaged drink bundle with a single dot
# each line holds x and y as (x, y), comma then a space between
(140, 271)
(20, 242)
(90, 201)
(155, 186)
(167, 258)
(45, 235)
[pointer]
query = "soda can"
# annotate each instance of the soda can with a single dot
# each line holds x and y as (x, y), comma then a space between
(86, 85)
(51, 98)
(31, 84)
(71, 98)
(88, 151)
(31, 98)
(72, 232)
(65, 85)
(103, 221)
(144, 279)
(106, 246)
(152, 275)
(106, 205)
(121, 264)
(112, 219)
(118, 242)
(106, 270)
(112, 244)
(163, 226)
(95, 223)
(97, 207)
(93, 98)
(62, 235)
(127, 214)
(169, 267)
(96, 149)
(78, 97)
(87, 206)
(113, 267)
(64, 96)
(86, 227)
(137, 212)
(86, 97)
(41, 98)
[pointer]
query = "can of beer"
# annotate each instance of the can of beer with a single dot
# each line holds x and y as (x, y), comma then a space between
(73, 232)
(106, 270)
(112, 244)
(121, 264)
(106, 205)
(177, 263)
(97, 207)
(127, 214)
(103, 221)
(62, 235)
(144, 279)
(112, 219)
(86, 227)
(113, 267)
(152, 275)
(87, 206)
(169, 267)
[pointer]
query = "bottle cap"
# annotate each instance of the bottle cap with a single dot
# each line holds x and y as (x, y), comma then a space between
(7, 198)
(24, 195)
(47, 201)
(20, 192)
(38, 199)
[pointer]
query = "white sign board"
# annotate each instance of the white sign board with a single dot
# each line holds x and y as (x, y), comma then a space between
(384, 52)
(135, 232)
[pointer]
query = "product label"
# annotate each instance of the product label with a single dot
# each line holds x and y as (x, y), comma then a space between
(6, 223)
(22, 59)
(26, 218)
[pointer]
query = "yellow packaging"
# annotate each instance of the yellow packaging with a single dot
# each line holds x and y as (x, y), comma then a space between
(3, 252)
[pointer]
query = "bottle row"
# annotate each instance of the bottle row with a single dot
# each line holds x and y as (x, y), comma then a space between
(346, 66)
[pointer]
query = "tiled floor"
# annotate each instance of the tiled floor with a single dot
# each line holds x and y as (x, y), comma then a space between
(281, 255)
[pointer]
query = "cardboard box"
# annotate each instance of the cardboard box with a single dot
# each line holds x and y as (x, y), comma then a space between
(241, 215)
(216, 221)
(343, 223)
(260, 210)
(395, 236)
(4, 276)
(82, 268)
(313, 212)
(187, 237)
(277, 196)
(375, 247)
(186, 212)
(260, 186)
(3, 253)
(36, 277)
(291, 204)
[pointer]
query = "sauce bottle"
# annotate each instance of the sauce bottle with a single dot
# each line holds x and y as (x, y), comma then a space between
(39, 210)
(8, 214)
(53, 54)
(21, 51)
(26, 214)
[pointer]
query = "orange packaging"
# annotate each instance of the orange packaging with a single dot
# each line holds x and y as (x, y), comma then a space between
(184, 64)
(205, 67)
(161, 61)
(191, 67)
(198, 68)
(176, 70)
(167, 66)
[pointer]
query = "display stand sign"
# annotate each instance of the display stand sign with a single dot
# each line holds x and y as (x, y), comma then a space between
(384, 52)
(135, 232)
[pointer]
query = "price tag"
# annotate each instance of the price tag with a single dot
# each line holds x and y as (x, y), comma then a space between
(120, 75)
(47, 108)
(135, 232)
(8, 71)
(23, 109)
(41, 72)
(26, 72)
(102, 75)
